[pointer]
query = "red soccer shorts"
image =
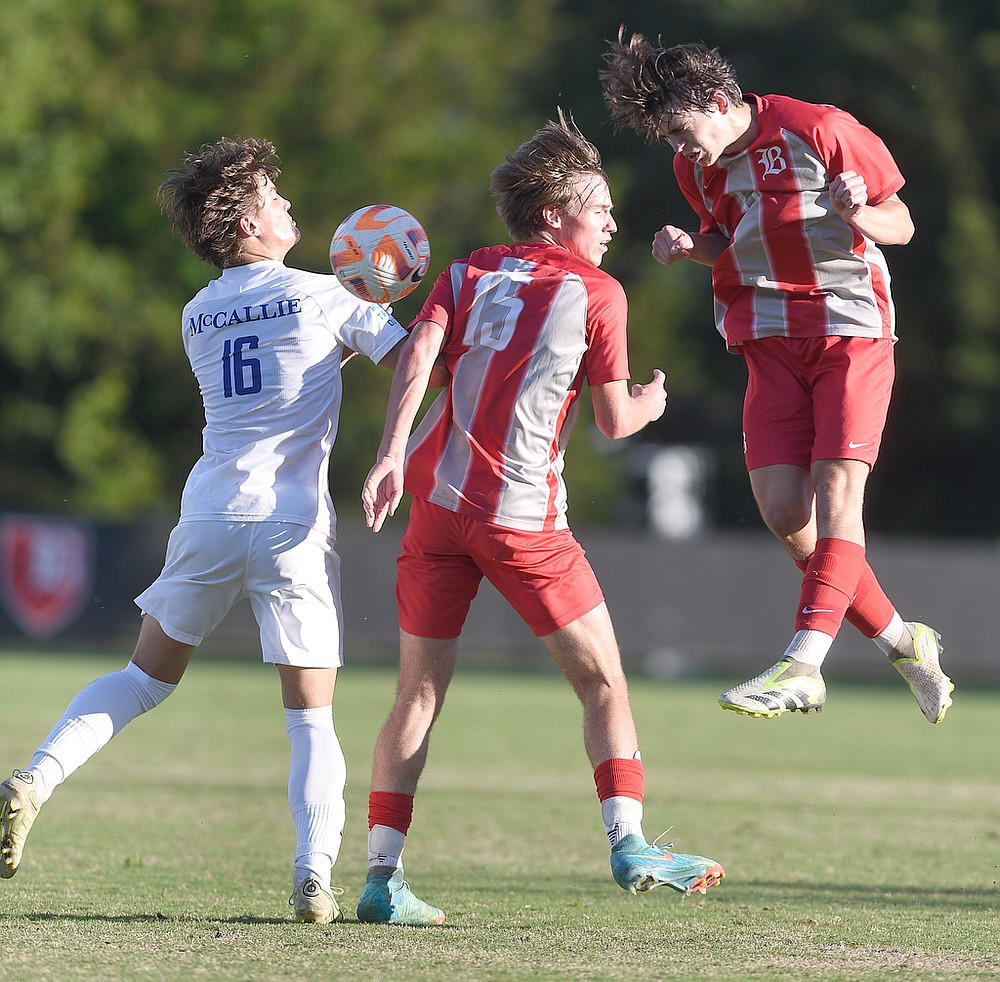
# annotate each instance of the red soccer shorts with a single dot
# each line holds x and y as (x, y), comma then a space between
(544, 576)
(815, 399)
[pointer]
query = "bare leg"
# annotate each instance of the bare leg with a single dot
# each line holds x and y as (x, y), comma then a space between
(786, 500)
(817, 516)
(587, 652)
(158, 655)
(426, 666)
(306, 688)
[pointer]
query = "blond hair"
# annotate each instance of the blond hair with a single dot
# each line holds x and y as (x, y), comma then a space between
(542, 173)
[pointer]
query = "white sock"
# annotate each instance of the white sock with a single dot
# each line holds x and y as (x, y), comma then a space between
(385, 846)
(889, 640)
(317, 774)
(95, 714)
(809, 647)
(622, 816)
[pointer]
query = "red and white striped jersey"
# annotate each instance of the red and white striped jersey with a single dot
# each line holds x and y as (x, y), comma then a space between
(794, 268)
(524, 325)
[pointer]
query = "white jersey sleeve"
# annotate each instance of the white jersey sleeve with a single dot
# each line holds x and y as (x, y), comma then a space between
(265, 343)
(357, 324)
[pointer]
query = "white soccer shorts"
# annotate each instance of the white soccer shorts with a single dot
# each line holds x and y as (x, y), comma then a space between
(290, 574)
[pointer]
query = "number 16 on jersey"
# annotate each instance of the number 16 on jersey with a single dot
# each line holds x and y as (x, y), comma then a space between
(241, 373)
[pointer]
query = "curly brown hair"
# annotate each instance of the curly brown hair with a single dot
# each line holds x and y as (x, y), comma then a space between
(542, 173)
(644, 82)
(212, 190)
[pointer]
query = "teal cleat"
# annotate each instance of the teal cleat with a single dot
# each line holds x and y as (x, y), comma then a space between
(388, 899)
(776, 691)
(640, 867)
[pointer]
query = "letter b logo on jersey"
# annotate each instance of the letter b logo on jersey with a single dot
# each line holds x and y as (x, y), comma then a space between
(772, 160)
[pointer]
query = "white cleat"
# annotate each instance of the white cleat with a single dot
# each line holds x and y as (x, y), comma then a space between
(776, 691)
(922, 670)
(18, 808)
(313, 904)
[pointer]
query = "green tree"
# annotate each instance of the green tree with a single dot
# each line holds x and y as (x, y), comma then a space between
(385, 100)
(366, 101)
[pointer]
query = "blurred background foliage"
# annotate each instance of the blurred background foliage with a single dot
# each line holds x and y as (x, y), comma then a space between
(387, 100)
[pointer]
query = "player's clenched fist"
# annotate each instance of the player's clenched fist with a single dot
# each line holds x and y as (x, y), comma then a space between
(653, 393)
(671, 244)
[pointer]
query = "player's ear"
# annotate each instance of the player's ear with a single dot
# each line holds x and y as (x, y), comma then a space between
(247, 227)
(721, 101)
(552, 217)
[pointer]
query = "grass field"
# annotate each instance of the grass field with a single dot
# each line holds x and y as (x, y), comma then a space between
(859, 844)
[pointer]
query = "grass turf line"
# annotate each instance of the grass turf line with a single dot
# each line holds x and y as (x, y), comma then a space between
(859, 844)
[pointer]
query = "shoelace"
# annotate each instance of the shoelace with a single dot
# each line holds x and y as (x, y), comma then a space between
(334, 891)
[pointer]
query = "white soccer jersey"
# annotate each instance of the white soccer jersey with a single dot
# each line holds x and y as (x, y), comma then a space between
(265, 342)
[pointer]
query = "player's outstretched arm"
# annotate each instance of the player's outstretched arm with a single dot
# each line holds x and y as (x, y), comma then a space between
(383, 488)
(620, 411)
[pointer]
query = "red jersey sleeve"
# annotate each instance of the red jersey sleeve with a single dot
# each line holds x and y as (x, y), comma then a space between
(846, 144)
(606, 359)
(439, 307)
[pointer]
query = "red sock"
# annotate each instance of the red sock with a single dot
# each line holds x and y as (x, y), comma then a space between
(870, 610)
(391, 809)
(829, 585)
(620, 777)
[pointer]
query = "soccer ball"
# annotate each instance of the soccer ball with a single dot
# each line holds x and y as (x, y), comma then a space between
(380, 253)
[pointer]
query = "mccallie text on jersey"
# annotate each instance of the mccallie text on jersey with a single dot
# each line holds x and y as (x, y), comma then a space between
(254, 312)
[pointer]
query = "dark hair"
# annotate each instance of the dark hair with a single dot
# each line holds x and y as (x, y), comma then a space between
(542, 173)
(645, 82)
(212, 190)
